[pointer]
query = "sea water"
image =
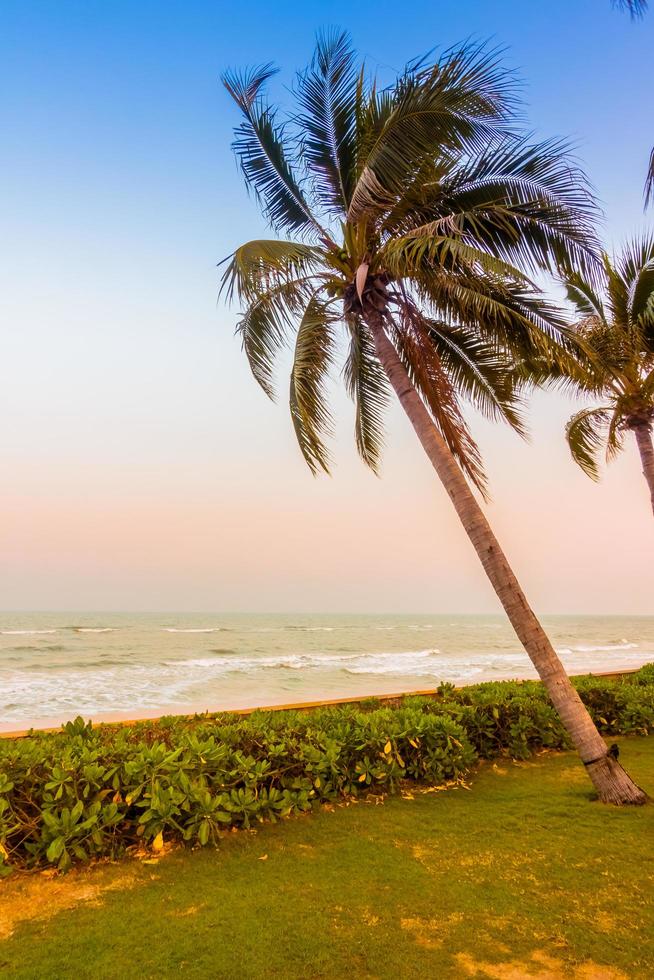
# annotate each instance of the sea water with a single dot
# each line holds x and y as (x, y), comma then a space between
(55, 666)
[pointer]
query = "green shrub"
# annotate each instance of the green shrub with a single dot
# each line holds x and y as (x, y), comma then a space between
(642, 677)
(87, 791)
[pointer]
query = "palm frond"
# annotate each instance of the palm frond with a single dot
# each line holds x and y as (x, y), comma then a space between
(586, 434)
(261, 264)
(327, 93)
(510, 314)
(636, 268)
(266, 324)
(425, 369)
(635, 8)
(526, 202)
(440, 246)
(263, 155)
(649, 182)
(617, 292)
(584, 296)
(647, 388)
(313, 357)
(480, 372)
(615, 435)
(456, 104)
(368, 387)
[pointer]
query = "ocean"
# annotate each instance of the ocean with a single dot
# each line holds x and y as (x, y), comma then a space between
(55, 666)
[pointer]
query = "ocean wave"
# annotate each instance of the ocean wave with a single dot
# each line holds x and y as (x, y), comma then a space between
(107, 684)
(431, 663)
(314, 629)
(95, 629)
(409, 663)
(406, 662)
(174, 629)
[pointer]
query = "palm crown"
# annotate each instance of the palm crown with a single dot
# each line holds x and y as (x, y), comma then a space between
(420, 201)
(616, 331)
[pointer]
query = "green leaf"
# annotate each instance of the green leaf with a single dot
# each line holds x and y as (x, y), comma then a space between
(585, 433)
(453, 106)
(649, 183)
(368, 386)
(263, 155)
(327, 93)
(56, 849)
(313, 357)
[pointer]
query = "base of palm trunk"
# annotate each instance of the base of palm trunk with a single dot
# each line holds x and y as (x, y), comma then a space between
(614, 785)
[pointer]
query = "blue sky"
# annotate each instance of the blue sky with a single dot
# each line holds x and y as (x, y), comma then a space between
(144, 468)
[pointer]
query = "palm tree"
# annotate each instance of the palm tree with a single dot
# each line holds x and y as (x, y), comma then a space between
(616, 330)
(414, 213)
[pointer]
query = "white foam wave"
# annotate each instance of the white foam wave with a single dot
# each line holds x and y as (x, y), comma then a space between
(174, 629)
(426, 662)
(430, 663)
(409, 663)
(95, 629)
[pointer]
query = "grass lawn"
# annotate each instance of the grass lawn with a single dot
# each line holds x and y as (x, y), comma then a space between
(522, 875)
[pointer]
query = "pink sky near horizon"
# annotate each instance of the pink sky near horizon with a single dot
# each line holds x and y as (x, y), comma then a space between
(143, 468)
(131, 505)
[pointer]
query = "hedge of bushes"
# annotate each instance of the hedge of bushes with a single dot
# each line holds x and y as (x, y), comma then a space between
(87, 792)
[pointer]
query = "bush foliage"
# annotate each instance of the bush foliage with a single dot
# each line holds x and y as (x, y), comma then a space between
(88, 792)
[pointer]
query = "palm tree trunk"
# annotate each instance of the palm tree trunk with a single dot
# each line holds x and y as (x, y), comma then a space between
(643, 435)
(612, 783)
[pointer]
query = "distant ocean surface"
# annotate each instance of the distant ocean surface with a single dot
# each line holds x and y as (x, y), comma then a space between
(54, 666)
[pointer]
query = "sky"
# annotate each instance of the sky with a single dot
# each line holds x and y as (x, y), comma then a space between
(143, 469)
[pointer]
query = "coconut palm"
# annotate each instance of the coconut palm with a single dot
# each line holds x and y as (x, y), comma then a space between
(415, 214)
(616, 328)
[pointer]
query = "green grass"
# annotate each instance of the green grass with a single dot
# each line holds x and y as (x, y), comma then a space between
(522, 874)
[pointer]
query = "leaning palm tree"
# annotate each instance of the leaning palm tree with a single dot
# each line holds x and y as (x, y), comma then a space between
(616, 331)
(415, 213)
